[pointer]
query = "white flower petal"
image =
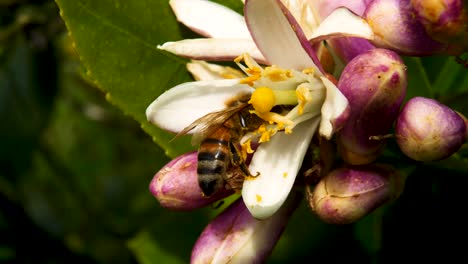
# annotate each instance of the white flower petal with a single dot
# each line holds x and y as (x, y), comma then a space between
(204, 71)
(178, 107)
(278, 162)
(279, 36)
(335, 110)
(304, 13)
(342, 23)
(210, 19)
(213, 49)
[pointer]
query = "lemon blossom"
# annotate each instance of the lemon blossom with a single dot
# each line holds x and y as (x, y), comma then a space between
(225, 33)
(294, 80)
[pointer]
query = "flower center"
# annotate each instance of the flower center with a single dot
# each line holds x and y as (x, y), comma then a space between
(282, 97)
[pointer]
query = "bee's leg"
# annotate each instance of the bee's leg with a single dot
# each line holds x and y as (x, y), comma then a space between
(236, 159)
(235, 179)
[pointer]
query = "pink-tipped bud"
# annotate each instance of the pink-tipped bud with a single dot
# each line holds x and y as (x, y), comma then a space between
(235, 236)
(445, 21)
(375, 85)
(347, 194)
(397, 27)
(427, 130)
(176, 185)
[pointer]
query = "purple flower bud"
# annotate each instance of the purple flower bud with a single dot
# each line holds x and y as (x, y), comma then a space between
(466, 124)
(427, 130)
(347, 194)
(235, 236)
(397, 27)
(445, 21)
(176, 185)
(375, 85)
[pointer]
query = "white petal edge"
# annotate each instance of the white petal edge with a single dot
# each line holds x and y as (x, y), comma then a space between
(342, 23)
(278, 36)
(210, 19)
(204, 71)
(213, 49)
(178, 107)
(334, 107)
(278, 162)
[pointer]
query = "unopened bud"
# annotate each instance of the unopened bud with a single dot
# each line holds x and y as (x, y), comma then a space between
(427, 130)
(176, 185)
(375, 85)
(445, 21)
(235, 236)
(396, 27)
(347, 194)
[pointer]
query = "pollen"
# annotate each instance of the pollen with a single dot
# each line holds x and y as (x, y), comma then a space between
(259, 198)
(308, 71)
(275, 118)
(301, 99)
(250, 80)
(254, 71)
(239, 58)
(263, 99)
(247, 147)
(285, 174)
(265, 137)
(277, 74)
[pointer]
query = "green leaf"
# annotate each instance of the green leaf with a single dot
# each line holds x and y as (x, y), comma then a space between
(369, 232)
(116, 41)
(447, 77)
(28, 85)
(418, 81)
(147, 251)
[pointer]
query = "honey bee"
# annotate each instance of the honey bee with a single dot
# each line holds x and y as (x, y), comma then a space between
(218, 135)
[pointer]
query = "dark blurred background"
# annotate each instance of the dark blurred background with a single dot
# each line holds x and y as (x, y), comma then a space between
(74, 175)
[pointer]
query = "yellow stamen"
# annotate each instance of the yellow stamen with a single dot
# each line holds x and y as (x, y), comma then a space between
(274, 118)
(239, 58)
(254, 71)
(277, 74)
(249, 80)
(263, 99)
(246, 149)
(251, 63)
(301, 100)
(261, 128)
(308, 70)
(265, 137)
(303, 97)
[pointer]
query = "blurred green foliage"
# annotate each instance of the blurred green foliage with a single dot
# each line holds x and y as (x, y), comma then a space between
(75, 169)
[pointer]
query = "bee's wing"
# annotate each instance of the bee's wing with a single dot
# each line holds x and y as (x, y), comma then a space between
(208, 123)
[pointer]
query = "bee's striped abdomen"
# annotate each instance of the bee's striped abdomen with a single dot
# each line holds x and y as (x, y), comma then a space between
(213, 159)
